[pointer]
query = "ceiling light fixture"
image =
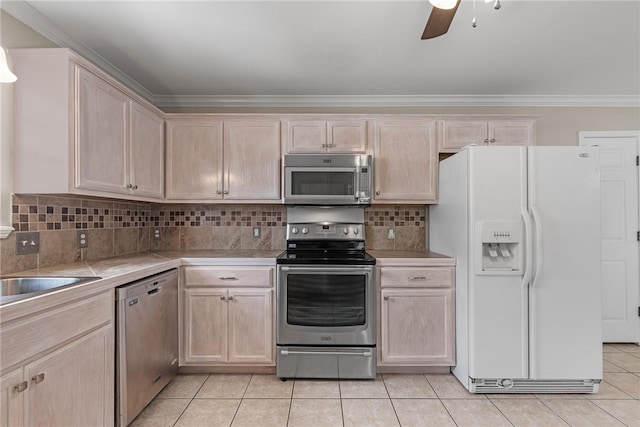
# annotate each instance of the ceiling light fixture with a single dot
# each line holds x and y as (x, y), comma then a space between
(443, 4)
(6, 76)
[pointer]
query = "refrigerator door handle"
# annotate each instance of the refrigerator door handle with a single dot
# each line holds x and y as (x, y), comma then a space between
(538, 245)
(528, 247)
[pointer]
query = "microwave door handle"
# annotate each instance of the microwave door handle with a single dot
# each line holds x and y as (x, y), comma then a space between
(356, 190)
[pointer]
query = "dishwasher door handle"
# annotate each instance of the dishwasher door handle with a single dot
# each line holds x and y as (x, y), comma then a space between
(155, 291)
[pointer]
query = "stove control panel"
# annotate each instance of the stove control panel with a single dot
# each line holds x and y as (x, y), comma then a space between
(328, 231)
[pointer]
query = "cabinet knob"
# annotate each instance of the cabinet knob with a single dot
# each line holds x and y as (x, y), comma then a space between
(225, 192)
(377, 193)
(492, 140)
(38, 378)
(230, 297)
(486, 140)
(218, 192)
(135, 187)
(325, 145)
(129, 185)
(21, 387)
(386, 298)
(222, 297)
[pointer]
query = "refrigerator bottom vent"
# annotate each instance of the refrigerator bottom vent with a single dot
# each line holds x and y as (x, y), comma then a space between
(486, 385)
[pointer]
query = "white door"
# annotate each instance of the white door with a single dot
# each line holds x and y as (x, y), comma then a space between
(565, 291)
(619, 228)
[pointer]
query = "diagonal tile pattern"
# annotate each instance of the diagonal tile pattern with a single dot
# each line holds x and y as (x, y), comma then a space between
(429, 400)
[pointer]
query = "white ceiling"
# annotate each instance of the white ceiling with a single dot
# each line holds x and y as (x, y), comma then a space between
(214, 53)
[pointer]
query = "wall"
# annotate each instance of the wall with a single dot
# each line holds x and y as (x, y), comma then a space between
(119, 228)
(13, 34)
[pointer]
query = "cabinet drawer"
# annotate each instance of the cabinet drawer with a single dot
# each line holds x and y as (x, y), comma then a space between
(412, 277)
(229, 276)
(25, 338)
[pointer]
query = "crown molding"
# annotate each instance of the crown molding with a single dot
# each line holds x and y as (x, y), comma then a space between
(396, 101)
(26, 14)
(39, 23)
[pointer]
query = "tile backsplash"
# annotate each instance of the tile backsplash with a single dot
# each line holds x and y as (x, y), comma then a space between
(117, 228)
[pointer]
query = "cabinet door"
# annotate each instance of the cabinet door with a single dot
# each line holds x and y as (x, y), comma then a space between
(406, 162)
(146, 152)
(455, 134)
(251, 160)
(347, 136)
(194, 160)
(251, 334)
(101, 147)
(205, 326)
(417, 327)
(73, 386)
(306, 136)
(515, 132)
(12, 393)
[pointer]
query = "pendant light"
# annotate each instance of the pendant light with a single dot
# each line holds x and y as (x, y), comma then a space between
(6, 76)
(443, 4)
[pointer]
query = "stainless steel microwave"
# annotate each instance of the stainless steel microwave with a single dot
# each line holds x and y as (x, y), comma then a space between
(328, 179)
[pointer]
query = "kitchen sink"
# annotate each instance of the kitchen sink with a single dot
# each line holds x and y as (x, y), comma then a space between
(16, 288)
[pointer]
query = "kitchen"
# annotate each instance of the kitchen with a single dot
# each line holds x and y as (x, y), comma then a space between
(127, 226)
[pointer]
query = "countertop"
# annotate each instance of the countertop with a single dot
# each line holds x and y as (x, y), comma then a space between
(117, 271)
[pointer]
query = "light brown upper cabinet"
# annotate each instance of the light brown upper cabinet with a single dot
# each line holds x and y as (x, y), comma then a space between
(326, 136)
(405, 161)
(210, 159)
(459, 132)
(89, 133)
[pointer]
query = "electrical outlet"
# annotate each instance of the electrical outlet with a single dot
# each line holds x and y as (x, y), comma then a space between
(256, 232)
(83, 239)
(27, 243)
(156, 234)
(391, 233)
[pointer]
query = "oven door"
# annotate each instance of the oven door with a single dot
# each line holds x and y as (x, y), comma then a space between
(321, 185)
(326, 305)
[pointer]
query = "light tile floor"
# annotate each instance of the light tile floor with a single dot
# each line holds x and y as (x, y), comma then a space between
(213, 400)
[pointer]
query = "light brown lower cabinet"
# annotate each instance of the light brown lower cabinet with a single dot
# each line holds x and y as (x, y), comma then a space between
(227, 316)
(73, 383)
(417, 319)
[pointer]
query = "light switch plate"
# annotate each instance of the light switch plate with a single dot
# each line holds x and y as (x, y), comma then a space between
(256, 232)
(27, 243)
(156, 234)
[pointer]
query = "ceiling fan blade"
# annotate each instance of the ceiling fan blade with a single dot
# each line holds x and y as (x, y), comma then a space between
(439, 22)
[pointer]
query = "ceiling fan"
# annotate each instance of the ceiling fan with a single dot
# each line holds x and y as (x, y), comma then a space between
(442, 15)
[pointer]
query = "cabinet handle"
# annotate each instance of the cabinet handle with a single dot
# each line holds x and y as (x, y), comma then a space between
(38, 378)
(218, 192)
(225, 192)
(386, 298)
(417, 278)
(325, 145)
(222, 297)
(331, 145)
(377, 193)
(230, 297)
(21, 387)
(492, 140)
(129, 185)
(228, 278)
(135, 187)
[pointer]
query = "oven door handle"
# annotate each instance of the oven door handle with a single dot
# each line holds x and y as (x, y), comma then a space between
(366, 353)
(352, 269)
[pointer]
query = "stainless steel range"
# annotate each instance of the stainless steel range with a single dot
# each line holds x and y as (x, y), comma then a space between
(325, 290)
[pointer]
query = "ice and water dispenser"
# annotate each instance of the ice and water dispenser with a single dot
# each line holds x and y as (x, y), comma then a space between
(501, 247)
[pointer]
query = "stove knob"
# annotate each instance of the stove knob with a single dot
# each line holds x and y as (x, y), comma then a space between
(355, 231)
(294, 230)
(346, 230)
(305, 230)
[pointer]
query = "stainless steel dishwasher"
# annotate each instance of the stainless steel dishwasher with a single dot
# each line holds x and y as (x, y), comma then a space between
(147, 342)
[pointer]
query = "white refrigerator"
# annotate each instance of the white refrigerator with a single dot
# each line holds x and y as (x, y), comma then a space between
(524, 226)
